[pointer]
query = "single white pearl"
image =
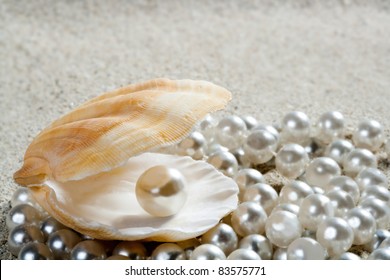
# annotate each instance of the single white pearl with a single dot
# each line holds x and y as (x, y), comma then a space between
(50, 225)
(250, 122)
(330, 126)
(346, 184)
(243, 254)
(342, 202)
(22, 214)
(133, 250)
(207, 127)
(314, 209)
(260, 146)
(259, 244)
(280, 254)
(247, 177)
(23, 195)
(263, 194)
(295, 128)
(223, 236)
(282, 228)
(207, 252)
(293, 208)
(379, 209)
(363, 225)
(378, 192)
(305, 249)
(369, 135)
(249, 218)
(294, 192)
(88, 250)
(379, 236)
(271, 129)
(347, 256)
(371, 176)
(168, 251)
(22, 235)
(62, 242)
(161, 191)
(230, 131)
(224, 162)
(193, 146)
(385, 243)
(321, 170)
(35, 251)
(357, 160)
(338, 149)
(380, 254)
(335, 235)
(291, 160)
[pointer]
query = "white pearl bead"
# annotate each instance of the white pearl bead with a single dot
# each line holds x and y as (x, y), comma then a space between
(22, 235)
(50, 225)
(230, 131)
(347, 256)
(305, 249)
(346, 184)
(321, 170)
(379, 209)
(282, 228)
(193, 146)
(369, 135)
(291, 160)
(363, 225)
(378, 192)
(207, 127)
(224, 162)
(223, 236)
(263, 194)
(335, 235)
(23, 195)
(280, 254)
(259, 244)
(380, 254)
(249, 218)
(295, 128)
(161, 191)
(35, 251)
(330, 126)
(22, 214)
(260, 146)
(207, 252)
(314, 209)
(62, 242)
(338, 149)
(289, 207)
(243, 254)
(342, 202)
(271, 129)
(131, 249)
(250, 122)
(371, 176)
(357, 160)
(168, 251)
(88, 250)
(247, 177)
(294, 192)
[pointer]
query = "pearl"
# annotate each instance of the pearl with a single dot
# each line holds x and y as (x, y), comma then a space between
(224, 162)
(347, 256)
(293, 208)
(330, 126)
(22, 214)
(243, 254)
(161, 191)
(50, 225)
(260, 146)
(168, 251)
(131, 249)
(369, 135)
(35, 251)
(193, 146)
(207, 127)
(23, 195)
(247, 177)
(321, 170)
(294, 192)
(259, 244)
(88, 250)
(280, 254)
(230, 131)
(189, 246)
(263, 194)
(314, 209)
(379, 236)
(363, 225)
(305, 249)
(344, 183)
(385, 243)
(62, 242)
(208, 252)
(342, 202)
(378, 192)
(250, 122)
(22, 235)
(379, 210)
(295, 128)
(338, 149)
(118, 257)
(380, 254)
(335, 235)
(249, 218)
(371, 177)
(223, 236)
(357, 160)
(271, 129)
(282, 228)
(291, 160)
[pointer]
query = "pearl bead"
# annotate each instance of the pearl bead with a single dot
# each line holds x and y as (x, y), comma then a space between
(243, 254)
(35, 251)
(305, 249)
(22, 214)
(280, 254)
(338, 149)
(208, 252)
(291, 160)
(363, 225)
(223, 236)
(380, 254)
(193, 146)
(230, 131)
(357, 160)
(342, 202)
(379, 236)
(344, 183)
(50, 225)
(385, 243)
(347, 256)
(371, 177)
(88, 250)
(224, 162)
(22, 235)
(168, 251)
(293, 208)
(263, 194)
(249, 218)
(247, 177)
(62, 242)
(369, 135)
(161, 191)
(379, 210)
(131, 249)
(23, 195)
(259, 244)
(250, 122)
(260, 146)
(330, 126)
(335, 235)
(295, 128)
(378, 192)
(282, 228)
(189, 246)
(271, 129)
(207, 127)
(321, 170)
(118, 257)
(314, 209)
(294, 192)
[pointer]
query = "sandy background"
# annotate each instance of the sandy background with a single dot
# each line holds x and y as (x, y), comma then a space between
(274, 57)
